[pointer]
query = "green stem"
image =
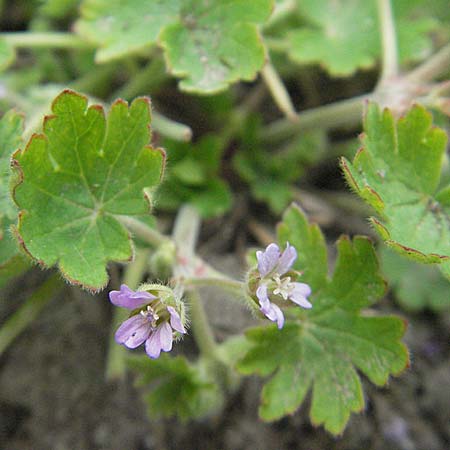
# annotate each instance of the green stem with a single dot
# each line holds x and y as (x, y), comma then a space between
(344, 112)
(201, 330)
(389, 40)
(279, 91)
(45, 40)
(434, 67)
(185, 234)
(140, 229)
(29, 311)
(234, 287)
(144, 81)
(186, 230)
(115, 364)
(278, 45)
(170, 128)
(227, 284)
(281, 11)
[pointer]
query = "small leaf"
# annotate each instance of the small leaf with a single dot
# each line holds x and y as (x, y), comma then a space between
(74, 181)
(344, 36)
(193, 177)
(177, 387)
(120, 28)
(208, 44)
(397, 172)
(416, 286)
(271, 175)
(216, 43)
(321, 349)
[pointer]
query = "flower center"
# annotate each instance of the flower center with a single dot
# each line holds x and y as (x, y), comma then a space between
(150, 314)
(283, 286)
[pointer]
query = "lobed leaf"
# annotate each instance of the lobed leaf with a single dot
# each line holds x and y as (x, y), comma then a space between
(119, 27)
(193, 177)
(75, 180)
(397, 172)
(344, 36)
(271, 175)
(216, 43)
(416, 286)
(322, 349)
(208, 44)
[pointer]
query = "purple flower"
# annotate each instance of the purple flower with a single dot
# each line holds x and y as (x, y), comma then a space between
(153, 323)
(272, 265)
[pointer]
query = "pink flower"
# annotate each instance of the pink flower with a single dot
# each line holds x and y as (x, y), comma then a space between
(152, 322)
(272, 265)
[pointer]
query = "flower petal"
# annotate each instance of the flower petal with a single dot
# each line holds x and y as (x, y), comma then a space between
(160, 339)
(286, 259)
(175, 320)
(279, 316)
(261, 293)
(133, 332)
(299, 294)
(268, 259)
(127, 298)
(165, 336)
(269, 309)
(153, 345)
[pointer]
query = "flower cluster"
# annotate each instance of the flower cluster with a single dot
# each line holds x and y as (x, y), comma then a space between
(273, 284)
(153, 320)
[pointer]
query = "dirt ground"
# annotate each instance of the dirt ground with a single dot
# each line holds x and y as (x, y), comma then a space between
(53, 393)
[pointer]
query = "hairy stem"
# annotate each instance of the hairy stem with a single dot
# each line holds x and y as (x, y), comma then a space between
(186, 230)
(146, 80)
(170, 128)
(115, 364)
(227, 284)
(185, 234)
(140, 229)
(279, 92)
(434, 67)
(29, 310)
(344, 112)
(201, 330)
(390, 67)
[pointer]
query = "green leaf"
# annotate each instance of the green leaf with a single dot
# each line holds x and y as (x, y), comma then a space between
(208, 44)
(11, 127)
(397, 172)
(272, 174)
(177, 387)
(192, 177)
(321, 349)
(216, 43)
(74, 181)
(120, 27)
(416, 286)
(344, 35)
